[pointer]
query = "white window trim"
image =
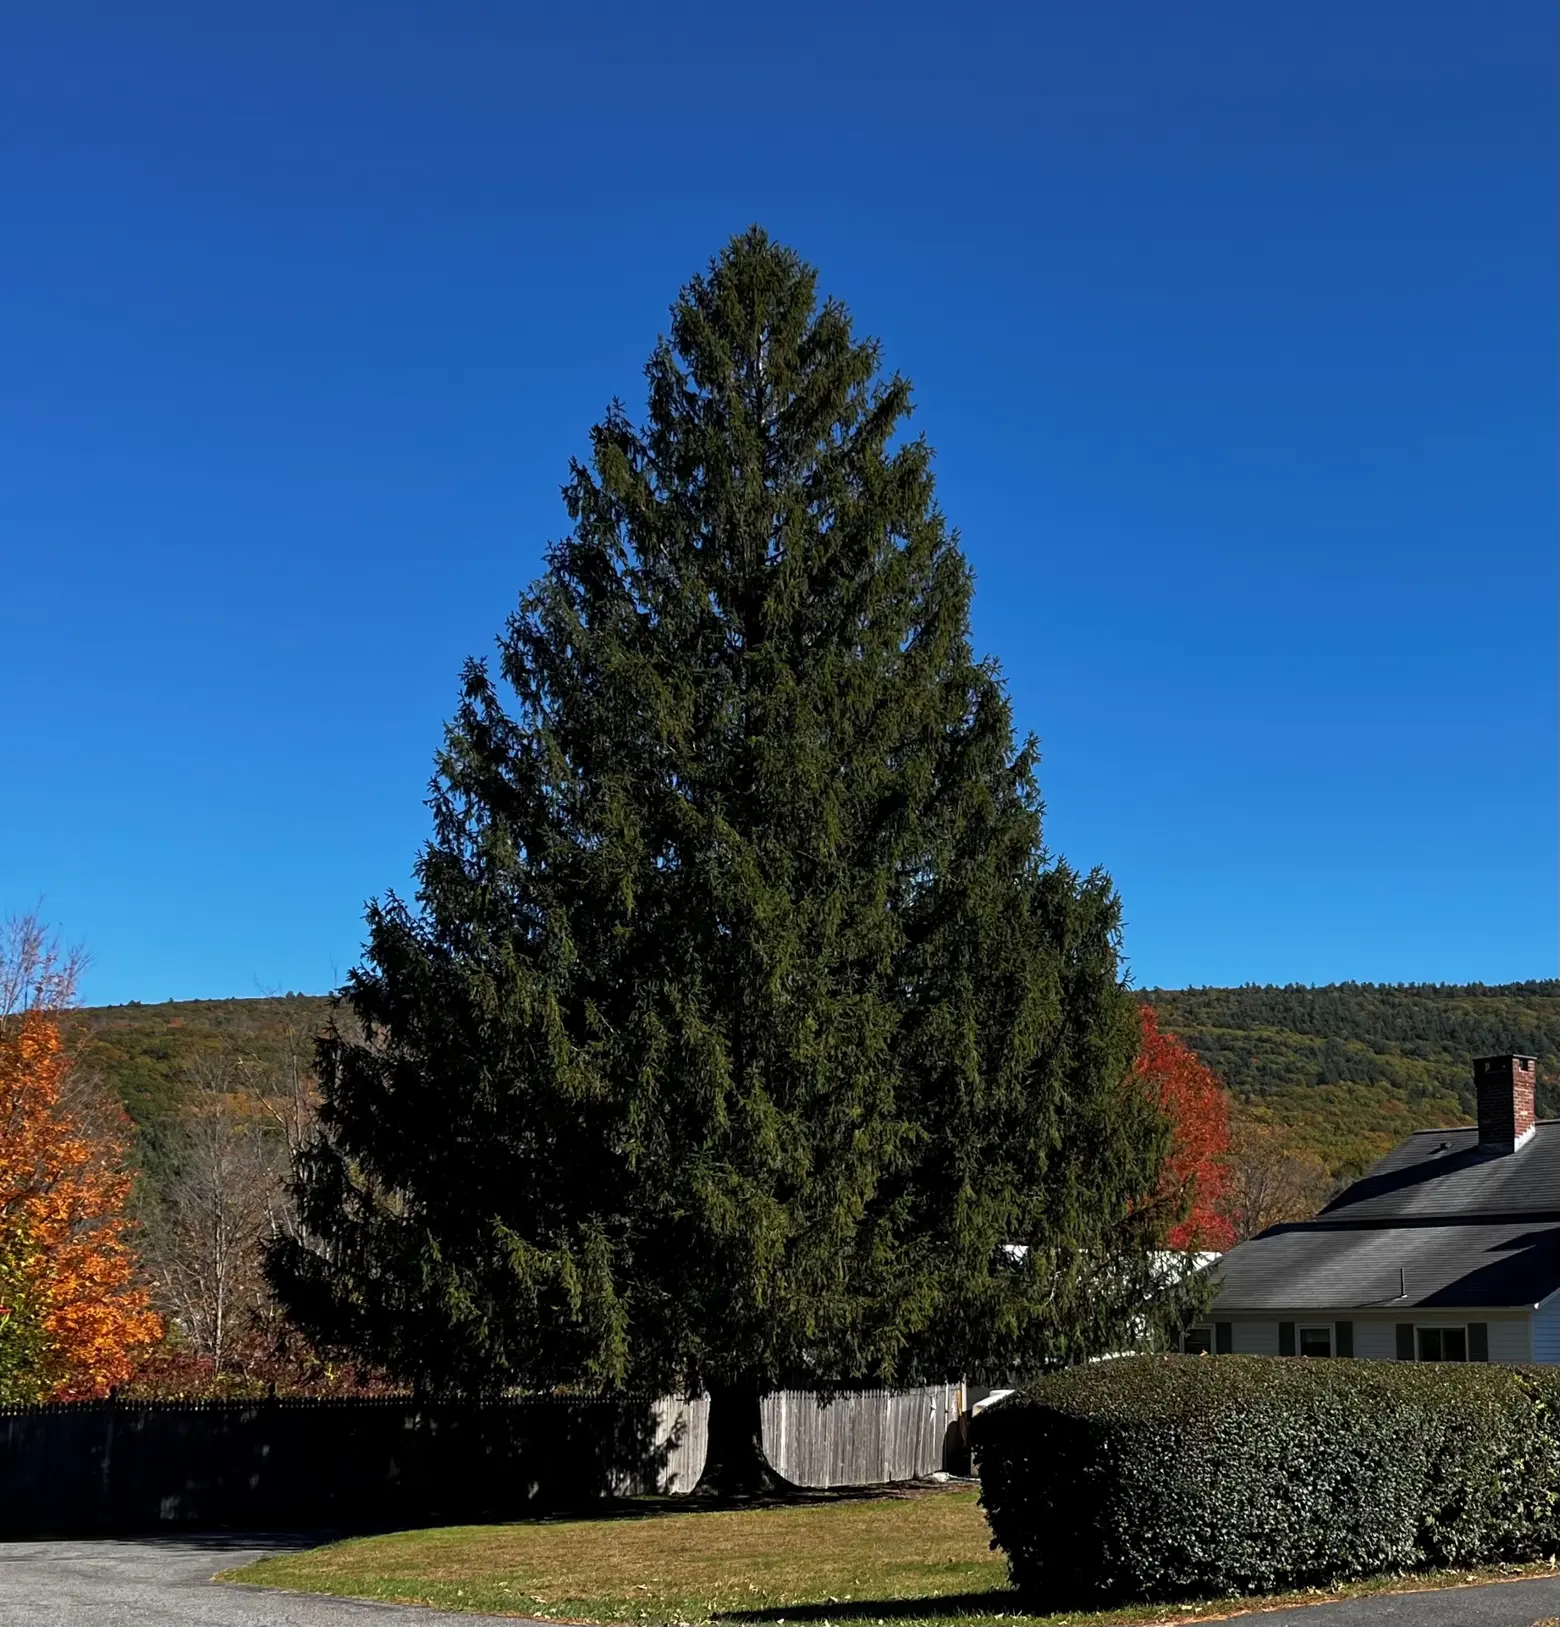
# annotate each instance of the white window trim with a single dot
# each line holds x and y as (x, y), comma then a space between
(1444, 1327)
(1312, 1327)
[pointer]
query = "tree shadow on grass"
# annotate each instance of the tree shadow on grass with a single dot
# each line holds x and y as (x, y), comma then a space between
(955, 1606)
(654, 1506)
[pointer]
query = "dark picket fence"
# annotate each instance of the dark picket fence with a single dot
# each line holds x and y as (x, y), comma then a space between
(139, 1465)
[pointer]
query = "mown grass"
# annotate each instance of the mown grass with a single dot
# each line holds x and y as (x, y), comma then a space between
(905, 1561)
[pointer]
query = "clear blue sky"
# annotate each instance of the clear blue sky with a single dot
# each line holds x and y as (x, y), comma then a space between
(1233, 325)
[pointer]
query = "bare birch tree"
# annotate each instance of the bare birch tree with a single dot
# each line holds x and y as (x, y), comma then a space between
(223, 1203)
(37, 972)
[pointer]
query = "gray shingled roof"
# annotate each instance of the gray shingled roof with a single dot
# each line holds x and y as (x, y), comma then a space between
(1313, 1267)
(1442, 1173)
(1437, 1223)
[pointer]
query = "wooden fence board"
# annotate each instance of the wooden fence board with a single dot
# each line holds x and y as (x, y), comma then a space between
(859, 1437)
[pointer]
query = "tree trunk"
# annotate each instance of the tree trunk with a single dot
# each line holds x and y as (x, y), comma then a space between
(735, 1465)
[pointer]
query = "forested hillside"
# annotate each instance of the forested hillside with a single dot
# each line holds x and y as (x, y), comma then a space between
(1348, 1068)
(1351, 1068)
(151, 1057)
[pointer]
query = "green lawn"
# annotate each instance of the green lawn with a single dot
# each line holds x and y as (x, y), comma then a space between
(902, 1561)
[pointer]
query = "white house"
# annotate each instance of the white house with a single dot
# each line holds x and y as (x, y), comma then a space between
(1448, 1250)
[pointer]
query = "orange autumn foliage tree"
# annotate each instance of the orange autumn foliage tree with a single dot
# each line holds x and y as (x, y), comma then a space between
(75, 1315)
(1194, 1101)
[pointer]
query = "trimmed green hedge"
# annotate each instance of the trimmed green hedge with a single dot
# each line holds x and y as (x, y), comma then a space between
(1170, 1477)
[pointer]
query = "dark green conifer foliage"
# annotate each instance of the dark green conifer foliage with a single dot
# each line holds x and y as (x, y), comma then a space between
(743, 1023)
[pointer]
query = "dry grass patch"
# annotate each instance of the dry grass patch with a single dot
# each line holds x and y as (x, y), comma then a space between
(920, 1560)
(672, 1567)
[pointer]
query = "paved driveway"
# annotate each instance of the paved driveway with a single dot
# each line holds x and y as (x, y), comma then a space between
(1499, 1604)
(166, 1582)
(162, 1582)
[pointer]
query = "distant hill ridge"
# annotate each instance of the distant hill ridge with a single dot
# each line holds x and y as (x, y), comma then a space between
(1350, 1068)
(147, 1054)
(1354, 1067)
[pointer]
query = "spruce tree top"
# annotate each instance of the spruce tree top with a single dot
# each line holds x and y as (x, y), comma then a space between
(743, 1032)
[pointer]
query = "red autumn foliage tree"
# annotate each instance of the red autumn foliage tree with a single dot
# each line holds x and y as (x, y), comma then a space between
(75, 1314)
(1197, 1171)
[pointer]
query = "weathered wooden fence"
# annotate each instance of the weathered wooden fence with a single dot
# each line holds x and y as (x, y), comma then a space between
(679, 1439)
(848, 1438)
(118, 1465)
(861, 1437)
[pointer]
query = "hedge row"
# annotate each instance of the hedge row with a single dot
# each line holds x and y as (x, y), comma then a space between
(1171, 1477)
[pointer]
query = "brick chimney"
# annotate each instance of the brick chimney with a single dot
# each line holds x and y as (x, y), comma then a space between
(1504, 1088)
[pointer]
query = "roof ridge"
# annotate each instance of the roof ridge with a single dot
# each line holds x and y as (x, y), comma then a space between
(1344, 1221)
(1449, 1129)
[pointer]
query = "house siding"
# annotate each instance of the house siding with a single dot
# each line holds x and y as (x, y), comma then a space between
(1511, 1338)
(1375, 1341)
(1546, 1330)
(1255, 1338)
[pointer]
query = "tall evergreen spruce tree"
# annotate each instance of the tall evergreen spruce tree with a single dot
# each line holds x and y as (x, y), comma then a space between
(744, 1026)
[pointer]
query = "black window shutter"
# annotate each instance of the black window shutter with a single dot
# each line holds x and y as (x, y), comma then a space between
(1343, 1338)
(1478, 1341)
(1286, 1338)
(1223, 1338)
(1405, 1341)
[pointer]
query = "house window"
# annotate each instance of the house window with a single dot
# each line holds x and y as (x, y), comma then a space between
(1442, 1344)
(1197, 1342)
(1316, 1341)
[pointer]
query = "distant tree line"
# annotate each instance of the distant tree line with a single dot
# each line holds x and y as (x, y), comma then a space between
(1347, 1069)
